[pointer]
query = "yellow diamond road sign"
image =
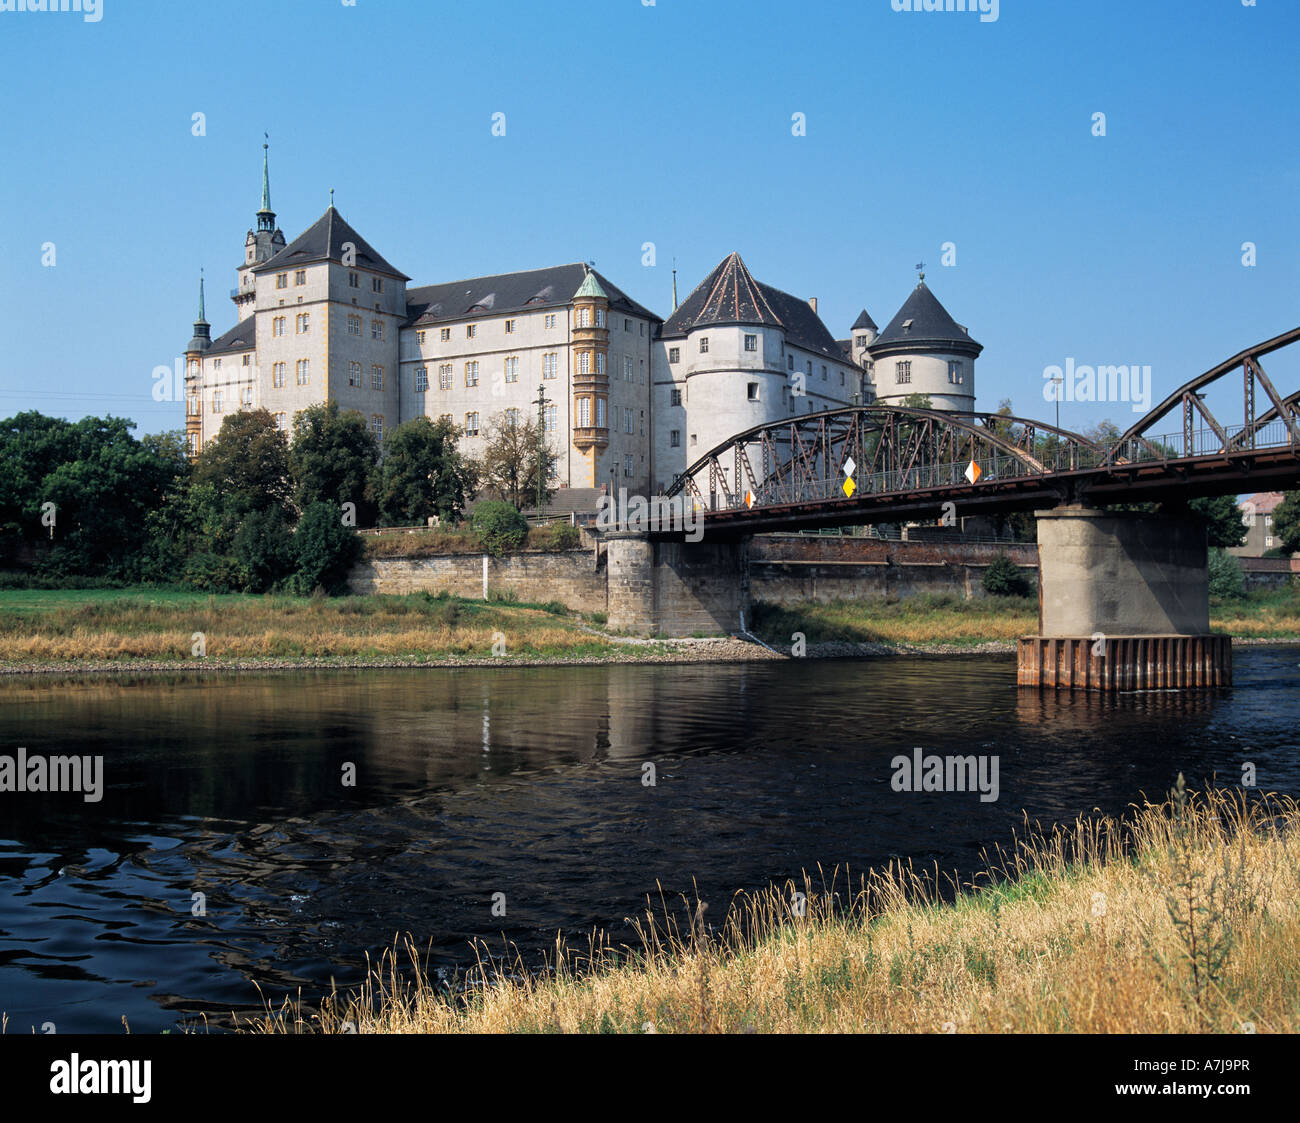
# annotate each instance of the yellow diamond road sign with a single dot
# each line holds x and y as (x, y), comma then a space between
(850, 487)
(973, 472)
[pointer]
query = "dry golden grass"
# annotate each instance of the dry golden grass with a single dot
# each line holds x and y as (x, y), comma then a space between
(926, 619)
(236, 627)
(1182, 918)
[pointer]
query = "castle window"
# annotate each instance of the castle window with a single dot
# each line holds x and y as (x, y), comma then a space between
(445, 335)
(674, 354)
(300, 277)
(600, 317)
(376, 284)
(694, 440)
(674, 397)
(752, 390)
(471, 330)
(627, 325)
(548, 419)
(282, 422)
(471, 374)
(444, 376)
(471, 424)
(704, 345)
(419, 337)
(354, 374)
(584, 363)
(584, 317)
(282, 280)
(627, 421)
(512, 369)
(510, 327)
(354, 325)
(277, 326)
(354, 282)
(903, 371)
(600, 362)
(550, 365)
(955, 374)
(841, 378)
(549, 320)
(627, 465)
(304, 372)
(789, 362)
(192, 405)
(302, 323)
(246, 397)
(824, 375)
(376, 377)
(584, 413)
(376, 329)
(277, 373)
(861, 342)
(248, 360)
(810, 368)
(192, 440)
(218, 400)
(377, 425)
(512, 418)
(627, 368)
(600, 413)
(751, 343)
(675, 438)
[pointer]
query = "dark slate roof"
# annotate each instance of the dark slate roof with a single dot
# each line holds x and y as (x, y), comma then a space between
(929, 324)
(863, 321)
(730, 295)
(511, 292)
(323, 241)
(242, 337)
(846, 349)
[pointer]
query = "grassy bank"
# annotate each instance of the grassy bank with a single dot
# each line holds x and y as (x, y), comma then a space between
(1184, 918)
(947, 620)
(75, 626)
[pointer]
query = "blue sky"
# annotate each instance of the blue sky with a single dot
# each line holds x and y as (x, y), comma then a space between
(668, 123)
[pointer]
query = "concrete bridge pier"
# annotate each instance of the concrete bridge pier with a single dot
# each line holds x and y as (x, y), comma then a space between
(672, 588)
(1124, 604)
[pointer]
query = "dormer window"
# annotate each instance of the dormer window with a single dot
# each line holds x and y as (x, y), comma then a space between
(907, 325)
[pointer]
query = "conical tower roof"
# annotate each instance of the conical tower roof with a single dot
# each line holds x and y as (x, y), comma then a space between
(922, 324)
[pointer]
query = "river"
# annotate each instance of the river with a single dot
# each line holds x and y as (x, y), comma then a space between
(529, 783)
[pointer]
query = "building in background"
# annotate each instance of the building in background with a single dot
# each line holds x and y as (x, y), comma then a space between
(923, 350)
(1257, 515)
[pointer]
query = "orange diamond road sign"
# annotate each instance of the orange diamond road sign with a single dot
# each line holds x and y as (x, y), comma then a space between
(973, 472)
(850, 487)
(749, 499)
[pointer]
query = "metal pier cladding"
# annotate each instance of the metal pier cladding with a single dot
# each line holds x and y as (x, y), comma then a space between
(1124, 595)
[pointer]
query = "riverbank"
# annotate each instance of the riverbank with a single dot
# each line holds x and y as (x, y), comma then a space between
(90, 631)
(1185, 918)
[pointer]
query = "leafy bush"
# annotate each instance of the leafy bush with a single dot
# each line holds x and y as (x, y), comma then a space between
(324, 549)
(555, 608)
(1227, 581)
(1004, 579)
(501, 527)
(264, 549)
(214, 573)
(563, 536)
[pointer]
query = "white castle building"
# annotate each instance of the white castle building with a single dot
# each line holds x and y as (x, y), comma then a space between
(629, 400)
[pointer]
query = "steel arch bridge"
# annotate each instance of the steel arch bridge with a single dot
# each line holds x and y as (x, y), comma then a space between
(907, 463)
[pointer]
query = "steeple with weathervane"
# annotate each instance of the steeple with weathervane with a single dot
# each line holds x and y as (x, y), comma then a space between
(261, 244)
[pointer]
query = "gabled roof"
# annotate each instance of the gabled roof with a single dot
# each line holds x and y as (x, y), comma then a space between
(324, 240)
(923, 321)
(730, 295)
(511, 292)
(863, 321)
(242, 337)
(1262, 502)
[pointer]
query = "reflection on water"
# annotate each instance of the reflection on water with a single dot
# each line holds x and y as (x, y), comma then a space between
(527, 783)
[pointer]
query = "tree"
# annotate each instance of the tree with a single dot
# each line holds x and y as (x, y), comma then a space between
(917, 401)
(264, 548)
(1003, 578)
(325, 550)
(1223, 519)
(423, 474)
(1286, 522)
(502, 527)
(332, 458)
(513, 459)
(1226, 578)
(247, 467)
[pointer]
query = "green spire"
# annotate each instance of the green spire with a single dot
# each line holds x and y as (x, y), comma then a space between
(201, 319)
(266, 181)
(590, 287)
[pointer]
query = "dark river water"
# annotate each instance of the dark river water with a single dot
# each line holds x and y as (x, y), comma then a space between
(527, 783)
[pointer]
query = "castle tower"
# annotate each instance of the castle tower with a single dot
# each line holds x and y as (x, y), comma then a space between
(923, 350)
(590, 380)
(194, 351)
(260, 245)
